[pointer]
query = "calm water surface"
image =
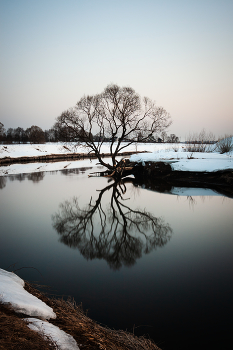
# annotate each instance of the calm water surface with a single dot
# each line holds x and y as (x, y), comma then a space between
(158, 263)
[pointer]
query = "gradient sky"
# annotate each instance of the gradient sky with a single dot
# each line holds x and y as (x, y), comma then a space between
(177, 52)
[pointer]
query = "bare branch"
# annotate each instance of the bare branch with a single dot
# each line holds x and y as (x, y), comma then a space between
(118, 234)
(118, 115)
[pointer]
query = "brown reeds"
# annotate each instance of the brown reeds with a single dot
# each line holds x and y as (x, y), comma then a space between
(15, 335)
(70, 318)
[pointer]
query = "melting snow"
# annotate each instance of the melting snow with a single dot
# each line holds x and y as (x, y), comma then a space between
(62, 340)
(12, 292)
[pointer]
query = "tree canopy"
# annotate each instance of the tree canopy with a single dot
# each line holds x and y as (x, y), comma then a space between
(117, 115)
(2, 131)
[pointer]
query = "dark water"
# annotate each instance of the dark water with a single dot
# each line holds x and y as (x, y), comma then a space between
(157, 263)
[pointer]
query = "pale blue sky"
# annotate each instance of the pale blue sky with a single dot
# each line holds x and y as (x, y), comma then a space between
(179, 53)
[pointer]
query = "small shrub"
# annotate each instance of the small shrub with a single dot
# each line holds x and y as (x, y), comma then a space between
(175, 148)
(225, 144)
(190, 156)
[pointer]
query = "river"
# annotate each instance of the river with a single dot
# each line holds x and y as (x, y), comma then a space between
(153, 263)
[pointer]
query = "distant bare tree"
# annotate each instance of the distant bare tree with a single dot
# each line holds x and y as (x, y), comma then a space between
(173, 138)
(10, 135)
(200, 142)
(50, 135)
(118, 233)
(163, 136)
(2, 132)
(19, 135)
(118, 115)
(35, 134)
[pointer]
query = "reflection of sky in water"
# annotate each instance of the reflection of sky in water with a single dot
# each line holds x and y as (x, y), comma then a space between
(182, 290)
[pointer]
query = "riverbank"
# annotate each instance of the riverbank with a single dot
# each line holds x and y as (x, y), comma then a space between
(56, 157)
(160, 176)
(25, 158)
(69, 317)
(158, 166)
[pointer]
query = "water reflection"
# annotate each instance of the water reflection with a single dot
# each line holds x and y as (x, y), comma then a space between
(36, 177)
(2, 182)
(76, 171)
(39, 175)
(117, 233)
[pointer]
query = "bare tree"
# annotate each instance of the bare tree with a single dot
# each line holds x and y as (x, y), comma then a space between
(117, 233)
(118, 115)
(18, 135)
(163, 136)
(10, 135)
(2, 132)
(172, 138)
(35, 134)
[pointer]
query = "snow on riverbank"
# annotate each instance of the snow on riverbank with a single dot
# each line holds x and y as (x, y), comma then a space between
(31, 150)
(188, 161)
(28, 150)
(62, 340)
(173, 153)
(28, 168)
(12, 293)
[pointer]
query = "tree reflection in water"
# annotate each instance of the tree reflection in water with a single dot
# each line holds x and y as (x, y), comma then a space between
(2, 182)
(119, 234)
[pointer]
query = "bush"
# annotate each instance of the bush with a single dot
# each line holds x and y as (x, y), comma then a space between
(225, 144)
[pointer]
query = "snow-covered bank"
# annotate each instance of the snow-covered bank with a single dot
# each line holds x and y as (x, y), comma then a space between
(12, 293)
(172, 153)
(188, 161)
(27, 168)
(33, 150)
(71, 327)
(62, 340)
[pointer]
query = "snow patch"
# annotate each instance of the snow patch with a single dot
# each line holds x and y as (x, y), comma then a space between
(187, 161)
(12, 292)
(62, 340)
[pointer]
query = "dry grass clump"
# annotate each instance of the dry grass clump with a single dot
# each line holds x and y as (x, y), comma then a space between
(70, 318)
(225, 144)
(15, 335)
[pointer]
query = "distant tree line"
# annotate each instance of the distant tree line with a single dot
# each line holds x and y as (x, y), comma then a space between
(35, 134)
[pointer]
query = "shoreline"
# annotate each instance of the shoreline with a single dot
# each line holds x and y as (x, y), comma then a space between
(50, 158)
(156, 175)
(70, 318)
(159, 176)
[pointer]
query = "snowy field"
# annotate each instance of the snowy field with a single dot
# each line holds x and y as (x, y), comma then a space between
(175, 154)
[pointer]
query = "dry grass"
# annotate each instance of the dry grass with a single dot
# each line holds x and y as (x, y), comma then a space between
(225, 144)
(70, 317)
(15, 335)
